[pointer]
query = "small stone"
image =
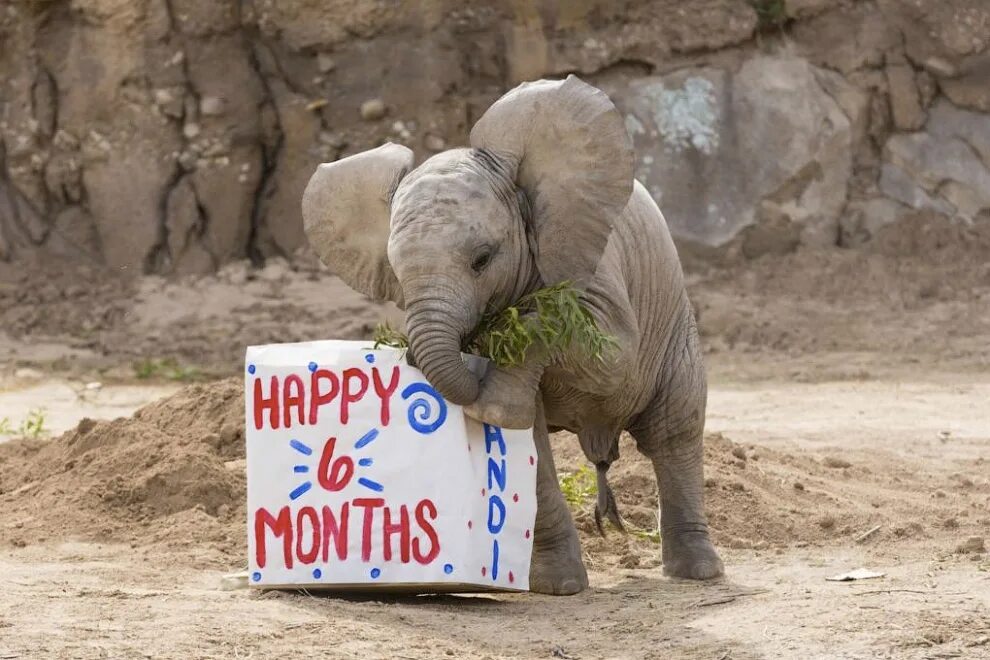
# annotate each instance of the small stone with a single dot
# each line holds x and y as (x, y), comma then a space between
(739, 543)
(236, 465)
(333, 139)
(275, 270)
(325, 63)
(28, 374)
(434, 142)
(838, 463)
(373, 109)
(65, 140)
(236, 273)
(739, 453)
(163, 96)
(905, 101)
(974, 544)
(95, 385)
(316, 104)
(234, 581)
(798, 485)
(229, 433)
(190, 130)
(710, 482)
(187, 161)
(212, 106)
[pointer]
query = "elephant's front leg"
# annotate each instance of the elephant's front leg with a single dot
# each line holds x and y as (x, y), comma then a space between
(508, 394)
(556, 566)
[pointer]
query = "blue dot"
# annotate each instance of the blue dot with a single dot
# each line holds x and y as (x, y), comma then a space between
(448, 568)
(370, 358)
(313, 366)
(317, 573)
(375, 572)
(256, 576)
(251, 369)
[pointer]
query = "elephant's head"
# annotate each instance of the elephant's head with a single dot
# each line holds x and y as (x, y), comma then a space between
(531, 203)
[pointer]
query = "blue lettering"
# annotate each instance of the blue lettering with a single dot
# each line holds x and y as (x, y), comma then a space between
(496, 474)
(494, 433)
(494, 559)
(495, 502)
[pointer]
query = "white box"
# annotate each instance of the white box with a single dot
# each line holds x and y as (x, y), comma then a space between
(361, 476)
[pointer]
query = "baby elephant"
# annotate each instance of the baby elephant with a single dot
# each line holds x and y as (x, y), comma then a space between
(545, 194)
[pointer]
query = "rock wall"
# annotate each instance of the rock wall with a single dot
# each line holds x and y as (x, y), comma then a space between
(171, 136)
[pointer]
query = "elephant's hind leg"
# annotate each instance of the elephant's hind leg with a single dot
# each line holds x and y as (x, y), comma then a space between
(556, 567)
(670, 433)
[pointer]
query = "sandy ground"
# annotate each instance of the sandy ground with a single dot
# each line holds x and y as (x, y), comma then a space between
(76, 599)
(848, 427)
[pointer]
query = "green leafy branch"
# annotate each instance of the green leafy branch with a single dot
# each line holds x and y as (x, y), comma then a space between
(553, 318)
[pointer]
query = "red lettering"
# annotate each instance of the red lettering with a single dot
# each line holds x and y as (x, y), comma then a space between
(369, 504)
(401, 528)
(309, 556)
(431, 533)
(329, 475)
(292, 395)
(349, 396)
(385, 392)
(316, 399)
(280, 526)
(337, 532)
(261, 404)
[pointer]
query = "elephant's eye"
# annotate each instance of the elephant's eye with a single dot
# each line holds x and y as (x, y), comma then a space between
(481, 261)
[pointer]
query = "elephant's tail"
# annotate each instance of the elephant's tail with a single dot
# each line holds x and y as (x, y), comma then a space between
(605, 505)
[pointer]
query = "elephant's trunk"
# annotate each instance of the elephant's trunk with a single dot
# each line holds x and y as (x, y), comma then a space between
(435, 330)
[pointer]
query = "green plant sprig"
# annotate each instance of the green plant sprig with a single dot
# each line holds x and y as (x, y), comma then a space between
(32, 426)
(553, 318)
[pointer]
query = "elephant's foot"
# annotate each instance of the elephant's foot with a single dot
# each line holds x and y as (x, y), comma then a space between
(690, 555)
(505, 413)
(507, 399)
(557, 569)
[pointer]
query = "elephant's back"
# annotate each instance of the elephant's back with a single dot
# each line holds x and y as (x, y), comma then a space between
(642, 248)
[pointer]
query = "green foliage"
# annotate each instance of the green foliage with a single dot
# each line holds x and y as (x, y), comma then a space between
(651, 535)
(33, 426)
(169, 369)
(386, 335)
(771, 13)
(578, 486)
(553, 318)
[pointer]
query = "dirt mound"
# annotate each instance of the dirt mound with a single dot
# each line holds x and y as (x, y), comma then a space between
(766, 499)
(170, 474)
(173, 475)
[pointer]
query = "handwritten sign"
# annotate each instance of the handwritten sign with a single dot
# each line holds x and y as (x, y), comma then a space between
(360, 475)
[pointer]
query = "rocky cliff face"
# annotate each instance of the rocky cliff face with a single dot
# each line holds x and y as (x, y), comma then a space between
(173, 135)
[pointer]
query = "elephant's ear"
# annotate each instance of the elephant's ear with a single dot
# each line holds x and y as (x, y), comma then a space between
(573, 157)
(346, 213)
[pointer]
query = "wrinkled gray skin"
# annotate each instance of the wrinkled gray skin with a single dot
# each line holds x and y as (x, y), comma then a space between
(545, 194)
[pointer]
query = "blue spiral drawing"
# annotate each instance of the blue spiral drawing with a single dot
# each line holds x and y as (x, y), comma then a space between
(421, 411)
